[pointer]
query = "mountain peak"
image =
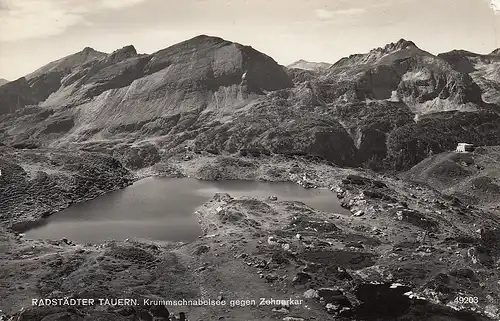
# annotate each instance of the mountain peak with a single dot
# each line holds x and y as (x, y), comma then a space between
(88, 50)
(396, 46)
(122, 54)
(495, 52)
(200, 42)
(68, 62)
(403, 43)
(207, 39)
(129, 48)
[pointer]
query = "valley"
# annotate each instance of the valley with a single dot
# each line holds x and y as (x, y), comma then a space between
(420, 223)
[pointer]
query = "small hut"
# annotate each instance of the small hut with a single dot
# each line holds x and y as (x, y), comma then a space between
(464, 148)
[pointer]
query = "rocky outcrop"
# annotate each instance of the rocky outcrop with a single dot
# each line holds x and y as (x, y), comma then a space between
(484, 69)
(461, 60)
(402, 71)
(274, 128)
(308, 65)
(475, 178)
(121, 54)
(36, 183)
(15, 95)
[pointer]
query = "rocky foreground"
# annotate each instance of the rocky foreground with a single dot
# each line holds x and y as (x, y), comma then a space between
(405, 251)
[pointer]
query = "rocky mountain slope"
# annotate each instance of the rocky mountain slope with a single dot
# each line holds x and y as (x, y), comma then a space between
(401, 71)
(484, 69)
(37, 183)
(472, 177)
(3, 81)
(211, 94)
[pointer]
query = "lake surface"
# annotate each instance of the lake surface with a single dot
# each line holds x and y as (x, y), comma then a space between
(162, 209)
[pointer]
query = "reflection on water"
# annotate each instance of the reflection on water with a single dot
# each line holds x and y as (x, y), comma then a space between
(162, 209)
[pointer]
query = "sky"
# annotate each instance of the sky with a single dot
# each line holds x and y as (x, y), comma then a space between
(35, 32)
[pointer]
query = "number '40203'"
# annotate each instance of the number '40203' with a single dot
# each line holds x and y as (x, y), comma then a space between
(466, 299)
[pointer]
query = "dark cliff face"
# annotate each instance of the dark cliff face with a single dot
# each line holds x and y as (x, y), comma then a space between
(460, 60)
(16, 95)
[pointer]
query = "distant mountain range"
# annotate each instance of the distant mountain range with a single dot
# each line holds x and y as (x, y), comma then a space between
(307, 65)
(207, 93)
(3, 81)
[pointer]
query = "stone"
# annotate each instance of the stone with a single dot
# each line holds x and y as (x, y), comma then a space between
(491, 310)
(271, 277)
(301, 278)
(330, 308)
(273, 198)
(202, 249)
(479, 255)
(311, 294)
(222, 197)
(359, 213)
(272, 240)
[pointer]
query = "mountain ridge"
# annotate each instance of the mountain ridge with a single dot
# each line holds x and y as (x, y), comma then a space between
(484, 69)
(85, 55)
(309, 65)
(209, 93)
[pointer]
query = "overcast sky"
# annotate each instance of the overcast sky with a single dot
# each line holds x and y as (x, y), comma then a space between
(35, 32)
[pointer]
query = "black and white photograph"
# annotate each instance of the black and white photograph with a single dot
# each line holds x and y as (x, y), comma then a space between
(249, 160)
